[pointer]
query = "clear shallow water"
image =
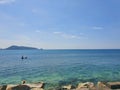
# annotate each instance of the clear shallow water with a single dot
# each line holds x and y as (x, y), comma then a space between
(59, 66)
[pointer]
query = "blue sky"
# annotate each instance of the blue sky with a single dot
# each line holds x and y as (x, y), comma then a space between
(60, 24)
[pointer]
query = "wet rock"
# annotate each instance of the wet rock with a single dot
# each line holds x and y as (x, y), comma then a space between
(37, 89)
(113, 85)
(102, 86)
(19, 87)
(36, 85)
(85, 85)
(68, 87)
(9, 87)
(83, 89)
(3, 87)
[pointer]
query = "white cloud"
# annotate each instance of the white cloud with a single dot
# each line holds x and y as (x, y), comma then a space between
(6, 1)
(67, 36)
(57, 32)
(97, 28)
(37, 31)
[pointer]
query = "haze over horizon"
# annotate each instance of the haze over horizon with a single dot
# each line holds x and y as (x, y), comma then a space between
(60, 24)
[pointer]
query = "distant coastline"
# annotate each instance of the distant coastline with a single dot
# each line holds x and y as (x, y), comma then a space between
(14, 47)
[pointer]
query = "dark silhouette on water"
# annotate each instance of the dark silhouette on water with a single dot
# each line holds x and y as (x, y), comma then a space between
(22, 57)
(25, 57)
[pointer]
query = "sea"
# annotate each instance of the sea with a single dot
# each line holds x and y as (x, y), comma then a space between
(59, 67)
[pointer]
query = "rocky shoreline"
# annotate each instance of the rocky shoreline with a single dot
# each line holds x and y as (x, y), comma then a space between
(80, 86)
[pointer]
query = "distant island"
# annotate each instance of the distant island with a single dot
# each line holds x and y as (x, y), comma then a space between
(14, 47)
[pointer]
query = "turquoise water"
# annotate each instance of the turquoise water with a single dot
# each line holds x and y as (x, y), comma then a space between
(59, 66)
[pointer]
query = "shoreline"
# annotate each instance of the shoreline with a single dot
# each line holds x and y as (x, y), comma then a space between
(80, 86)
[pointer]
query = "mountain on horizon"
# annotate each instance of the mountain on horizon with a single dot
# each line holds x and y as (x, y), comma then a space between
(14, 47)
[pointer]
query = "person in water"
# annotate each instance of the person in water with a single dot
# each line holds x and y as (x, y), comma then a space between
(22, 57)
(25, 57)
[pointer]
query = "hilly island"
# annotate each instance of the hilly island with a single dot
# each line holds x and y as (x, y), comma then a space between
(14, 47)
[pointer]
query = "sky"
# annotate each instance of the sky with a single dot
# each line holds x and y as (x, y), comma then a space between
(60, 24)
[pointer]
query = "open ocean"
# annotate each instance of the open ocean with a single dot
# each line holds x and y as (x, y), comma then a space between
(58, 67)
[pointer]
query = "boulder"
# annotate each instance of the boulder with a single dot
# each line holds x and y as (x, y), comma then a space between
(113, 85)
(102, 86)
(18, 87)
(68, 87)
(3, 87)
(10, 86)
(85, 85)
(36, 85)
(24, 86)
(37, 89)
(82, 89)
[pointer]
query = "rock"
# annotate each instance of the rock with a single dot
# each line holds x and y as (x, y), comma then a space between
(37, 89)
(113, 85)
(82, 89)
(82, 85)
(102, 86)
(68, 87)
(85, 85)
(36, 85)
(19, 87)
(90, 84)
(10, 86)
(3, 87)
